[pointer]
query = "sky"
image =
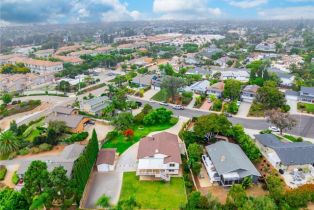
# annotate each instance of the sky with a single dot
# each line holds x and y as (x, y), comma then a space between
(77, 11)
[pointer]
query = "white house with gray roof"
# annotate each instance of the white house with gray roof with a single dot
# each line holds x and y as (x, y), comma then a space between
(307, 94)
(199, 87)
(228, 164)
(285, 155)
(94, 106)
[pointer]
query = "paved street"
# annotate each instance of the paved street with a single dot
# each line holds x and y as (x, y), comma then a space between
(305, 128)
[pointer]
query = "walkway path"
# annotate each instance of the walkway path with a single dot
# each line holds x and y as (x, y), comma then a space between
(244, 109)
(191, 104)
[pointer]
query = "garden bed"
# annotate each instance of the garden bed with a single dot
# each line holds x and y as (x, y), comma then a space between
(122, 143)
(305, 107)
(154, 194)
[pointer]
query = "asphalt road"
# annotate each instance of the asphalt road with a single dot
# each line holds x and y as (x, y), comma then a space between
(305, 128)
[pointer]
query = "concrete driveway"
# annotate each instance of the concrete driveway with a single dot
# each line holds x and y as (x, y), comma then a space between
(127, 161)
(104, 183)
(293, 103)
(244, 109)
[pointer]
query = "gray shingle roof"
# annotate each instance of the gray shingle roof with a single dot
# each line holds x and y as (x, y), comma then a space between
(96, 100)
(290, 153)
(309, 90)
(72, 151)
(71, 121)
(228, 157)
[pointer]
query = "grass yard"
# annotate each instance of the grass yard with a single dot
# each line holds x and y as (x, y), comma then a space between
(256, 110)
(305, 107)
(31, 132)
(122, 143)
(162, 96)
(293, 138)
(154, 194)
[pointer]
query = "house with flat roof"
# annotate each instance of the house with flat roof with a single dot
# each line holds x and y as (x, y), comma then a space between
(248, 93)
(285, 155)
(227, 164)
(216, 89)
(95, 105)
(159, 156)
(70, 116)
(307, 94)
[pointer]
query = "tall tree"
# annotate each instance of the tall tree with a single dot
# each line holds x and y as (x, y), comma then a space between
(11, 199)
(270, 96)
(36, 180)
(8, 143)
(280, 120)
(232, 89)
(172, 84)
(6, 98)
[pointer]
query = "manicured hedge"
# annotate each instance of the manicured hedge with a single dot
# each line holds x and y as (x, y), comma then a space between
(76, 137)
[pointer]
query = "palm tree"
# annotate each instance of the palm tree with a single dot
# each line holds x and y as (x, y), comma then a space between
(8, 143)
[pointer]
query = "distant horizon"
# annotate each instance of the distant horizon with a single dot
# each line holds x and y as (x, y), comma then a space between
(46, 12)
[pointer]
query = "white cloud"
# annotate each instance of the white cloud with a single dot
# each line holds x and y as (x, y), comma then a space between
(184, 9)
(244, 4)
(302, 12)
(65, 11)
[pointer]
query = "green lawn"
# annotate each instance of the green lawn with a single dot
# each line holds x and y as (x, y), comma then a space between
(162, 96)
(309, 108)
(154, 194)
(121, 143)
(31, 132)
(293, 138)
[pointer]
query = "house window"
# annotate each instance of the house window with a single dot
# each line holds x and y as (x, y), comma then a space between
(172, 165)
(171, 170)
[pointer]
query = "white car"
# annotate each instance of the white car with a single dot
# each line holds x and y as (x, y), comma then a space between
(163, 103)
(274, 129)
(178, 107)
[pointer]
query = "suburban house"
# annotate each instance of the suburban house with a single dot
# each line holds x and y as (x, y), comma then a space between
(70, 116)
(44, 53)
(69, 59)
(94, 106)
(143, 80)
(307, 94)
(66, 159)
(197, 70)
(286, 78)
(159, 156)
(249, 93)
(266, 47)
(39, 66)
(223, 61)
(227, 164)
(286, 155)
(216, 89)
(207, 53)
(241, 75)
(199, 87)
(106, 160)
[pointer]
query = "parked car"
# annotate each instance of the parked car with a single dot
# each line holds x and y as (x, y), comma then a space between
(227, 100)
(274, 129)
(178, 107)
(163, 103)
(238, 103)
(227, 114)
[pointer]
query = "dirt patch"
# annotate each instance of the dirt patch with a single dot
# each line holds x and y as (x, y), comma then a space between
(55, 151)
(5, 122)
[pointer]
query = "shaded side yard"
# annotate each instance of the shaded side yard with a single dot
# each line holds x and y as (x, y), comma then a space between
(154, 194)
(122, 143)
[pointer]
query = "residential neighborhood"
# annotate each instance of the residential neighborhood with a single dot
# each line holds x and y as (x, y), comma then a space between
(138, 112)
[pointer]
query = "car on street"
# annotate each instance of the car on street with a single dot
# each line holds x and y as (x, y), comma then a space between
(178, 107)
(274, 129)
(227, 114)
(138, 103)
(163, 103)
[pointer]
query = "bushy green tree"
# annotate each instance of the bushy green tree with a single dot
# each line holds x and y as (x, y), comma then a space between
(123, 121)
(232, 89)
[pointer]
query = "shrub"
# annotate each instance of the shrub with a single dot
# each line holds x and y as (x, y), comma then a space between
(23, 151)
(111, 135)
(138, 119)
(45, 147)
(15, 178)
(173, 121)
(35, 150)
(3, 172)
(217, 105)
(285, 108)
(76, 137)
(129, 133)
